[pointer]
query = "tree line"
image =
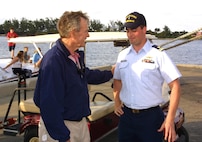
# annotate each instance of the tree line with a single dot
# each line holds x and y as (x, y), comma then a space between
(25, 27)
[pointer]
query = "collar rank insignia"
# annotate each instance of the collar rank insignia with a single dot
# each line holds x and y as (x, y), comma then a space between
(158, 47)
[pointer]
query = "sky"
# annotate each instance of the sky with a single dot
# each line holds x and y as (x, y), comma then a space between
(178, 15)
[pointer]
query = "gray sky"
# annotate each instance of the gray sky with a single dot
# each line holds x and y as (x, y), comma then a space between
(178, 15)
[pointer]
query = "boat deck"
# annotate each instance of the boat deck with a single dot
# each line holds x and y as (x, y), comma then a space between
(8, 75)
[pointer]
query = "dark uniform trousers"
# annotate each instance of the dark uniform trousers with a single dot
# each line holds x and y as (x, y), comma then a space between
(141, 125)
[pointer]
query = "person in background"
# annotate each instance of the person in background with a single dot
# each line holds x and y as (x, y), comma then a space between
(11, 45)
(16, 62)
(140, 72)
(36, 60)
(62, 87)
(26, 55)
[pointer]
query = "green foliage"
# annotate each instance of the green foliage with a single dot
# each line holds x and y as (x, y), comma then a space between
(95, 26)
(26, 27)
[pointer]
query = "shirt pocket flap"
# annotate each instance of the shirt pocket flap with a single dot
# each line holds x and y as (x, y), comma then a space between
(123, 65)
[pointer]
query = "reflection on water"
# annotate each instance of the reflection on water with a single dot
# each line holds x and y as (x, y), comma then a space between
(102, 53)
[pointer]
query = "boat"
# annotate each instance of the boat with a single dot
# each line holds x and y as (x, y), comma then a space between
(8, 75)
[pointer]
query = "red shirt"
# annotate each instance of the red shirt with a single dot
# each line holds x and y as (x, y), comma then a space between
(11, 35)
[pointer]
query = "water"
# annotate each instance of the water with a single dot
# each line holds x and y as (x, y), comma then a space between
(104, 53)
(189, 53)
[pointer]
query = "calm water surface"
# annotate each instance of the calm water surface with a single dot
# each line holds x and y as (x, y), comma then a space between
(103, 53)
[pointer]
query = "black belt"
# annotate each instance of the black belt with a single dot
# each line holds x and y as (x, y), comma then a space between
(77, 120)
(141, 110)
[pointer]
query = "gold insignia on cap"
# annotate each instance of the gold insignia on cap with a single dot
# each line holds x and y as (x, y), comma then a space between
(128, 21)
(130, 18)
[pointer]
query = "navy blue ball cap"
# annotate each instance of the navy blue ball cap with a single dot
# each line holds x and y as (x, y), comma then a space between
(134, 20)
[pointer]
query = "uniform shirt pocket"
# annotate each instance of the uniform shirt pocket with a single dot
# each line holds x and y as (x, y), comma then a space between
(150, 74)
(123, 67)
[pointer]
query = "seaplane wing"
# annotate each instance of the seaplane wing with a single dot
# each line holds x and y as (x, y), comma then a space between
(94, 37)
(119, 39)
(35, 39)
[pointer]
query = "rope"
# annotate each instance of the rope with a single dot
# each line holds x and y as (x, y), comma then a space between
(189, 40)
(180, 37)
